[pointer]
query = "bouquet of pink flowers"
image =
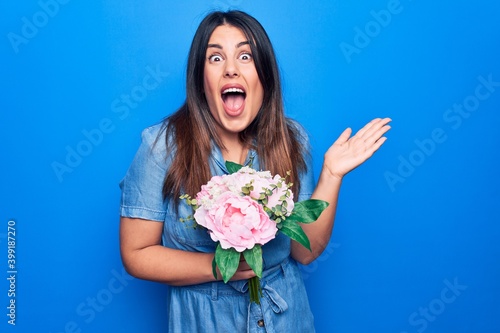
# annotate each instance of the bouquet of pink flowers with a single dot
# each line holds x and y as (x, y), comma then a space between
(243, 211)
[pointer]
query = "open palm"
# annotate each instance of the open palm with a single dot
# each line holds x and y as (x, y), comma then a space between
(348, 152)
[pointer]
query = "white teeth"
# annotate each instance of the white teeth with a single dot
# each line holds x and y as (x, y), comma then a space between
(234, 90)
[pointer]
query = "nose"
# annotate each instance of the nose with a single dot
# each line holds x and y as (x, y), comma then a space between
(231, 70)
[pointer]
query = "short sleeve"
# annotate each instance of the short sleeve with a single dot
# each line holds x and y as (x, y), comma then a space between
(143, 183)
(307, 184)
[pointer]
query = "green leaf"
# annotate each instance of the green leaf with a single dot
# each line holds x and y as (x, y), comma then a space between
(227, 260)
(233, 167)
(253, 258)
(214, 269)
(294, 231)
(307, 211)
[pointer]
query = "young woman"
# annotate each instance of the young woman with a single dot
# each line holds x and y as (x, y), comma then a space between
(233, 112)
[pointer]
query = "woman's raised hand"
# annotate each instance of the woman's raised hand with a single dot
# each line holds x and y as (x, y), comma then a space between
(348, 152)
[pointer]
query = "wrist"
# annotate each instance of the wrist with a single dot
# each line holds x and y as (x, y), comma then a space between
(329, 176)
(328, 186)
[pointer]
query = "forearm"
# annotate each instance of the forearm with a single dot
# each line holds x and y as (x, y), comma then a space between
(319, 232)
(170, 266)
(144, 257)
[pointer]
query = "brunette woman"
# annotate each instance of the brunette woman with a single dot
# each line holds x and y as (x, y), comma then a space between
(233, 112)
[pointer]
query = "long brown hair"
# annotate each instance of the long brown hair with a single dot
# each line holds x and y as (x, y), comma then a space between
(191, 130)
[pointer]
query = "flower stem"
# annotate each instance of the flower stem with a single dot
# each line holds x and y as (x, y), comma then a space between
(255, 289)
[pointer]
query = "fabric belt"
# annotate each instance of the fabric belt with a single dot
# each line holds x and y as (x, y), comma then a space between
(276, 302)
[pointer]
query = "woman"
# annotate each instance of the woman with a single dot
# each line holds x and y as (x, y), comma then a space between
(233, 112)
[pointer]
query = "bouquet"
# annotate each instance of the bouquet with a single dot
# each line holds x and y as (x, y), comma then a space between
(243, 211)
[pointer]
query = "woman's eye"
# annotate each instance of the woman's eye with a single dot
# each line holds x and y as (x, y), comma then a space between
(246, 56)
(215, 58)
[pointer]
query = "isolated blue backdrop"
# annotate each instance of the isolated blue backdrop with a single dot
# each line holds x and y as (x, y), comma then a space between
(415, 246)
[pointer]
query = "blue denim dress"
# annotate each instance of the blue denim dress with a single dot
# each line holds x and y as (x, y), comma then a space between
(216, 306)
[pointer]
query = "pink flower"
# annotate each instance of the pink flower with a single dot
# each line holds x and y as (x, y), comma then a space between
(209, 192)
(237, 221)
(239, 179)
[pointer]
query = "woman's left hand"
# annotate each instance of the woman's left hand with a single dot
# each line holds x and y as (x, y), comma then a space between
(348, 152)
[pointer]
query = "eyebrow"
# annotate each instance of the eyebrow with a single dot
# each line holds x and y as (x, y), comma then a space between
(218, 46)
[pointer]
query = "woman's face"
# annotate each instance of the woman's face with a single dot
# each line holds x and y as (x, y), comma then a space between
(231, 84)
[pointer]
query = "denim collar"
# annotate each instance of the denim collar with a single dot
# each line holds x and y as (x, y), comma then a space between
(251, 160)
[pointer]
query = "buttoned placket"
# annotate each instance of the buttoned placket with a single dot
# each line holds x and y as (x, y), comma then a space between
(255, 321)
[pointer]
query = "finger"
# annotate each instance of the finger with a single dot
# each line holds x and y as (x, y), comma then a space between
(243, 275)
(376, 145)
(376, 135)
(344, 136)
(243, 266)
(382, 131)
(365, 128)
(372, 127)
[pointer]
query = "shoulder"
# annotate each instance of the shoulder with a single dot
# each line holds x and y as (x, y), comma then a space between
(154, 141)
(295, 126)
(153, 133)
(157, 134)
(298, 131)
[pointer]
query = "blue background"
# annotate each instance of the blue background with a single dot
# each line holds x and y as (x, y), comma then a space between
(415, 246)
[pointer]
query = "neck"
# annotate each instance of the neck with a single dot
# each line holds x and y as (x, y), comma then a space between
(235, 151)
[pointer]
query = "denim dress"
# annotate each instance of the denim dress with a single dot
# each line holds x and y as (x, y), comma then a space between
(216, 306)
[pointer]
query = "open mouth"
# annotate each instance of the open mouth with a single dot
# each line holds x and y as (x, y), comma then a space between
(233, 98)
